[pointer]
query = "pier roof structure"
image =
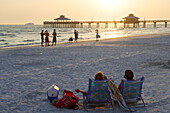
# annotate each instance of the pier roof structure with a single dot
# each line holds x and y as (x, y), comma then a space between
(131, 19)
(131, 16)
(62, 17)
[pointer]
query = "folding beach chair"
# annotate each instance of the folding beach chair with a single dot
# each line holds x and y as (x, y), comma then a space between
(132, 90)
(98, 94)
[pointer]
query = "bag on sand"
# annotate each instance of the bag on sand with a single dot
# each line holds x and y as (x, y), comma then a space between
(68, 101)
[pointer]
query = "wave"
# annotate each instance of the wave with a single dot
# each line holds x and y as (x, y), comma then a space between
(65, 33)
(28, 40)
(4, 44)
(161, 64)
(2, 40)
(10, 35)
(17, 45)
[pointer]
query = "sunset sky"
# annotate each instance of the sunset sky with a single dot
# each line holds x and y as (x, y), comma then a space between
(37, 11)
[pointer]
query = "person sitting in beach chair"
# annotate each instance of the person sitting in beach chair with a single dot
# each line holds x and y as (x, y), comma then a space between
(130, 88)
(98, 93)
(70, 39)
(98, 76)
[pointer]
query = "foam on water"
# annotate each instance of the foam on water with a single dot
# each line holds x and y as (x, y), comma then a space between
(21, 35)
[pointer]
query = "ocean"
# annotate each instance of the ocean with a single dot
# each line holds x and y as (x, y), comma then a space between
(25, 35)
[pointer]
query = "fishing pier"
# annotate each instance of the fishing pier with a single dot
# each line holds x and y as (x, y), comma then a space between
(129, 21)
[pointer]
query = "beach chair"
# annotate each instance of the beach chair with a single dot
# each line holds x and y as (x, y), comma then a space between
(132, 90)
(98, 94)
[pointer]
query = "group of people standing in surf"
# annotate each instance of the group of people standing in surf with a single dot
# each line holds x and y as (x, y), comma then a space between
(54, 41)
(47, 37)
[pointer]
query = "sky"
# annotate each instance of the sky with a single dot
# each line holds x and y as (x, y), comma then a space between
(37, 11)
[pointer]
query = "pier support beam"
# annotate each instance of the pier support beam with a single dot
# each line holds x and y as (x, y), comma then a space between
(106, 25)
(97, 25)
(115, 24)
(144, 24)
(154, 24)
(165, 24)
(89, 25)
(81, 25)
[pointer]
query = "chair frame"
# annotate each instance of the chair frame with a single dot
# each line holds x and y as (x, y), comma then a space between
(87, 102)
(139, 97)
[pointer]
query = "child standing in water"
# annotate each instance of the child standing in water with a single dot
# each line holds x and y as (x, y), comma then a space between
(97, 35)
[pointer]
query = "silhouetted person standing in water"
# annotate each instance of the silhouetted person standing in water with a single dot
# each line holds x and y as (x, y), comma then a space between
(76, 35)
(97, 35)
(54, 37)
(46, 38)
(42, 37)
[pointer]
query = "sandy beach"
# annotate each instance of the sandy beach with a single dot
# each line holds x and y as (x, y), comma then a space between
(26, 73)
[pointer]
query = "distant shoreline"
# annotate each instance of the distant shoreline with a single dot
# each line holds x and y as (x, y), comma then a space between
(80, 42)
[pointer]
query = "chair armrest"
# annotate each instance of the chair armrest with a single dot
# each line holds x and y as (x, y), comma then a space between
(84, 96)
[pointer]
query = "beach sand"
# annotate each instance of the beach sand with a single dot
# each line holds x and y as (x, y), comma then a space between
(26, 73)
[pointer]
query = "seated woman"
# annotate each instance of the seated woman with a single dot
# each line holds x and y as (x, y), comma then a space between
(98, 76)
(128, 76)
(132, 93)
(70, 39)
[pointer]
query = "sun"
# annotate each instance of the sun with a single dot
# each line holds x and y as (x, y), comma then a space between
(110, 3)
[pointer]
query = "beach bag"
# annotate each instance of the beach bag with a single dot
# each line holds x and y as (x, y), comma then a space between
(70, 39)
(68, 101)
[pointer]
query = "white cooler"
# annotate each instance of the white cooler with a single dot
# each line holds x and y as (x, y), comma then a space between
(52, 92)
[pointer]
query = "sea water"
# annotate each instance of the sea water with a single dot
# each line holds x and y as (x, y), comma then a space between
(24, 35)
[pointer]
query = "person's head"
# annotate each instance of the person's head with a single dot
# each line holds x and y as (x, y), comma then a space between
(99, 76)
(128, 75)
(46, 31)
(54, 30)
(42, 30)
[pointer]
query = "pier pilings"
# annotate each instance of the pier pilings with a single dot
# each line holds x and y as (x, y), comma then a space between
(166, 24)
(144, 24)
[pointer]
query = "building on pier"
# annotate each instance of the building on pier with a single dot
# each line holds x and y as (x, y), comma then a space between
(61, 22)
(62, 18)
(131, 19)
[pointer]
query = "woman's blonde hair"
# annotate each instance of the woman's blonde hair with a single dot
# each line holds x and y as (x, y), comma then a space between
(99, 76)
